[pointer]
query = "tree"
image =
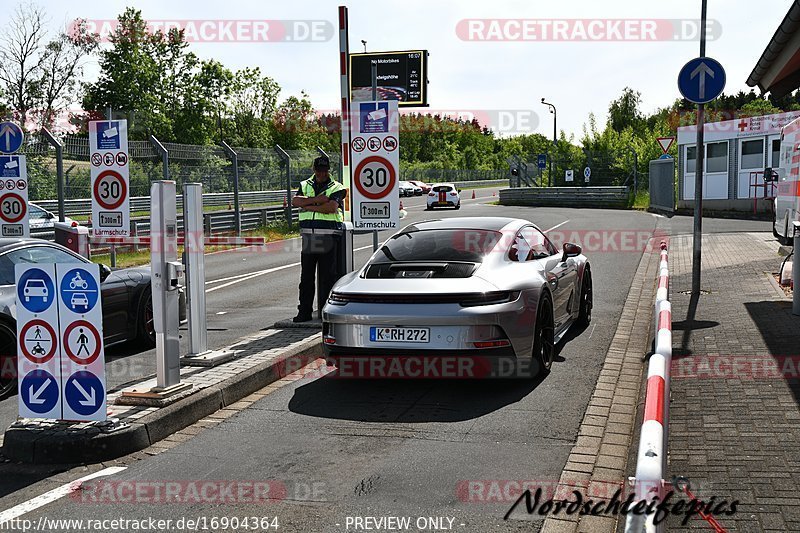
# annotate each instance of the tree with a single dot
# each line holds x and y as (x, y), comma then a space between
(624, 111)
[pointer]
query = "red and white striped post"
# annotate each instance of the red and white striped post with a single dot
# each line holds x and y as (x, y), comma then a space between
(344, 72)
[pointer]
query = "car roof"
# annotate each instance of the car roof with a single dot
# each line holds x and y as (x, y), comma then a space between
(9, 243)
(484, 223)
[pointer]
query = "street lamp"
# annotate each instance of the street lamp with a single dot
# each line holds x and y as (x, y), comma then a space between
(555, 141)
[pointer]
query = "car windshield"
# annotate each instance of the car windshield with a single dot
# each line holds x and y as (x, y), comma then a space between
(443, 188)
(470, 245)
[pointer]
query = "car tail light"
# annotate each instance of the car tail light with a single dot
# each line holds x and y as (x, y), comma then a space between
(453, 193)
(491, 344)
(329, 340)
(489, 298)
(431, 194)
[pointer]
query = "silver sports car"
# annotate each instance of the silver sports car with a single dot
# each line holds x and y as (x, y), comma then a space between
(482, 286)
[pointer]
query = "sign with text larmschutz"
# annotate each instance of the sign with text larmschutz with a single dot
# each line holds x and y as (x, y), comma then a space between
(108, 154)
(376, 164)
(401, 76)
(14, 197)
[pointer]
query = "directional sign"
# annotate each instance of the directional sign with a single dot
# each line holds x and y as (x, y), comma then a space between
(108, 145)
(39, 393)
(39, 353)
(11, 137)
(81, 337)
(14, 196)
(701, 80)
(541, 161)
(376, 162)
(665, 143)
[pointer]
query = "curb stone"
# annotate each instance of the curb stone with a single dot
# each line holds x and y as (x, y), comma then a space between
(48, 442)
(598, 461)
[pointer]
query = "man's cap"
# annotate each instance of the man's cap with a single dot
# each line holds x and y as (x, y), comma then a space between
(322, 163)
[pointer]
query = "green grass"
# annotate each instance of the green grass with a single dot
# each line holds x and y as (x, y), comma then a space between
(641, 201)
(275, 231)
(211, 209)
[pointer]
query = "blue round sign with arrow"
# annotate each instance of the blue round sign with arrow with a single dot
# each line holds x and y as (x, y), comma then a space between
(701, 80)
(11, 137)
(39, 391)
(84, 393)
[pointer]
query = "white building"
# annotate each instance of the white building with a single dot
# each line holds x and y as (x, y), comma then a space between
(735, 150)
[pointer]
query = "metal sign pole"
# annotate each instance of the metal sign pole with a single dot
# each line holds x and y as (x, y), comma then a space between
(194, 248)
(698, 175)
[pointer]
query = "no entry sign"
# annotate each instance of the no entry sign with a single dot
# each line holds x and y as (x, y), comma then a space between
(14, 197)
(108, 145)
(376, 161)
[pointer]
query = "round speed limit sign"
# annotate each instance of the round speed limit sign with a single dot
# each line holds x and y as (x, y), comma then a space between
(110, 189)
(375, 177)
(12, 208)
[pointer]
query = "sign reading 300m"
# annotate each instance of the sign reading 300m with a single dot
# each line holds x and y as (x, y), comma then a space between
(376, 198)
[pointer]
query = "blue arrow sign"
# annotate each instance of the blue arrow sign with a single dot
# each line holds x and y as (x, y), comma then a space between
(11, 137)
(79, 290)
(35, 290)
(39, 391)
(701, 80)
(665, 156)
(84, 393)
(541, 161)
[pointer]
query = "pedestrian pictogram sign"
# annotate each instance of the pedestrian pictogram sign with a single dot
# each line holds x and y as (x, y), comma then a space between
(14, 196)
(108, 144)
(60, 337)
(376, 166)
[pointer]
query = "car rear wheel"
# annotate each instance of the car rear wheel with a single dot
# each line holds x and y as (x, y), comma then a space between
(543, 345)
(8, 359)
(146, 335)
(586, 303)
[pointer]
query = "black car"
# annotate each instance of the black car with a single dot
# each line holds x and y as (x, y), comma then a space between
(126, 295)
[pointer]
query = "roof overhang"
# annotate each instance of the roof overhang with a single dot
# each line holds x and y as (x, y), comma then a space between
(778, 70)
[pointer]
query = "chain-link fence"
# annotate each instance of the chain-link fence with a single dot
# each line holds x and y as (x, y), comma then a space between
(435, 175)
(605, 168)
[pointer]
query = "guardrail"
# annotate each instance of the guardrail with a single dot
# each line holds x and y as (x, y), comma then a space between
(651, 462)
(604, 197)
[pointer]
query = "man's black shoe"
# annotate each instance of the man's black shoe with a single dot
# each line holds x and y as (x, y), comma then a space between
(301, 318)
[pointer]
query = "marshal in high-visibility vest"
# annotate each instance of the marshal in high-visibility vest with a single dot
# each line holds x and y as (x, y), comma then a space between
(320, 199)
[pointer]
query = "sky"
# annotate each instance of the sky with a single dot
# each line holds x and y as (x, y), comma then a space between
(502, 81)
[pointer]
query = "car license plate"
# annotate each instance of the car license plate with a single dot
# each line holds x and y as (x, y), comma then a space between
(381, 334)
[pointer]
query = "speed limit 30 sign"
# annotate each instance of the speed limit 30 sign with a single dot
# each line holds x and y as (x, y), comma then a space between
(376, 198)
(108, 145)
(14, 197)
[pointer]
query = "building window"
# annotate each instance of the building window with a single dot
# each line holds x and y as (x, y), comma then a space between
(717, 157)
(691, 159)
(776, 153)
(752, 154)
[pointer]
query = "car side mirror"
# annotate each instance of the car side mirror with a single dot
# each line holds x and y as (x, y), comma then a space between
(104, 272)
(49, 215)
(459, 191)
(570, 250)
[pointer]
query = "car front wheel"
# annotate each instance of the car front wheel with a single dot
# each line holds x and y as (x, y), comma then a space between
(8, 359)
(146, 334)
(586, 303)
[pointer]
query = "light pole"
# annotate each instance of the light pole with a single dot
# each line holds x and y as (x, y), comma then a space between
(555, 141)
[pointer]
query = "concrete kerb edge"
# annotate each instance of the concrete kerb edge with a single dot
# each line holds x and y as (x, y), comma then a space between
(640, 283)
(37, 446)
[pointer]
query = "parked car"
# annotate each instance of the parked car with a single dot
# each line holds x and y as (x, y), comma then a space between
(126, 298)
(444, 195)
(461, 287)
(407, 189)
(42, 219)
(422, 185)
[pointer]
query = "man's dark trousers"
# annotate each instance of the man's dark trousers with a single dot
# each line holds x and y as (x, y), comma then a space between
(318, 251)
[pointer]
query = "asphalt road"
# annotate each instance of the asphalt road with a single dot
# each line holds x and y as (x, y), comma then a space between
(397, 448)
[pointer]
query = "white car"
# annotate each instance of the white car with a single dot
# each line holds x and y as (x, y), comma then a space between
(42, 218)
(444, 195)
(409, 189)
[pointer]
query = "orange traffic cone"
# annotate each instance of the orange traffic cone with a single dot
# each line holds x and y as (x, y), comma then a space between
(473, 194)
(284, 202)
(401, 205)
(494, 193)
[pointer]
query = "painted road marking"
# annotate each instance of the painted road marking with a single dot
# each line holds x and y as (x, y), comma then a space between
(55, 494)
(556, 226)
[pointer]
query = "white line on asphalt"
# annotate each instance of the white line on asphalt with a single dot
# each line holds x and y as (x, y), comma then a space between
(53, 495)
(556, 226)
(251, 275)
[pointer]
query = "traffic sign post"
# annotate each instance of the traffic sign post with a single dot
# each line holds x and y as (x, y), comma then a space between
(108, 147)
(376, 162)
(38, 354)
(701, 80)
(665, 143)
(541, 161)
(568, 175)
(587, 173)
(11, 137)
(81, 336)
(14, 196)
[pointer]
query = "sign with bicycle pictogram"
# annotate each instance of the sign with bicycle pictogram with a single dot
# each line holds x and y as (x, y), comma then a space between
(376, 199)
(108, 146)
